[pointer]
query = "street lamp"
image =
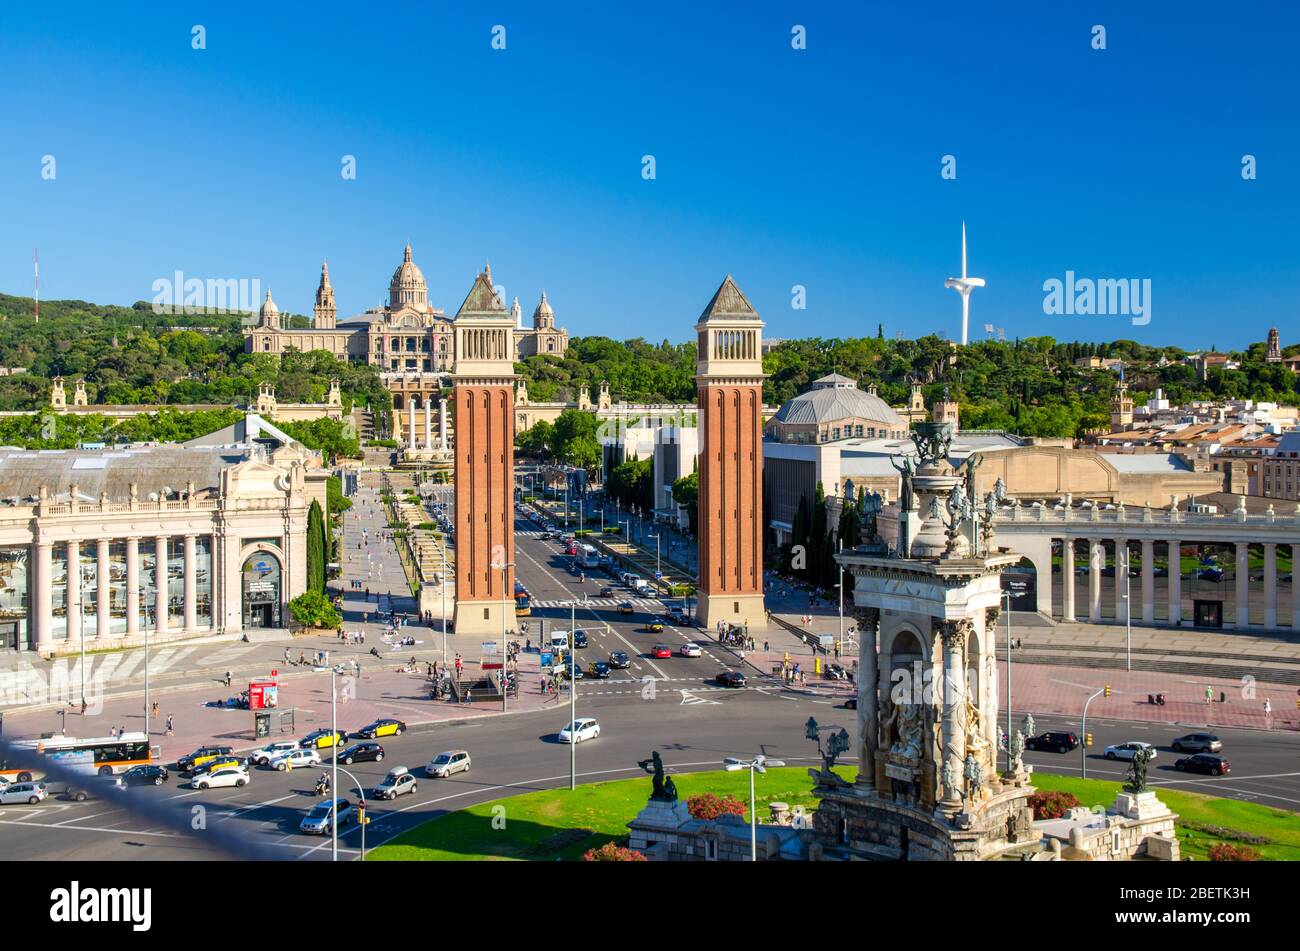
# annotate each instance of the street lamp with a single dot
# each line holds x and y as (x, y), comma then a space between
(442, 575)
(655, 536)
(759, 763)
(1006, 596)
(1128, 610)
(573, 699)
(1083, 740)
(504, 566)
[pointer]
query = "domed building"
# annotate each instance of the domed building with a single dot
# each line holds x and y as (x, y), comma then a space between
(832, 409)
(408, 340)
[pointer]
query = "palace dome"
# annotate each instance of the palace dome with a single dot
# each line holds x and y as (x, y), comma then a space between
(407, 288)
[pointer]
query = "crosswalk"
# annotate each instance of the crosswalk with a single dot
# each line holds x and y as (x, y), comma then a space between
(604, 603)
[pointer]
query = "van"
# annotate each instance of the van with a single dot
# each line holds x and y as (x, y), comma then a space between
(559, 641)
(642, 587)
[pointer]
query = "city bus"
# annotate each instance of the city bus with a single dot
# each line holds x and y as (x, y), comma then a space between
(588, 557)
(523, 601)
(103, 755)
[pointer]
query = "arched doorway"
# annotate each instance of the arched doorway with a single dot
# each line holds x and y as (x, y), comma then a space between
(260, 579)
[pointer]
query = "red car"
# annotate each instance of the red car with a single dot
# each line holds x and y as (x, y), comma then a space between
(661, 652)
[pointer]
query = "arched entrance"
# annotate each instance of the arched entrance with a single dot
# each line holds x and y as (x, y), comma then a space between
(260, 579)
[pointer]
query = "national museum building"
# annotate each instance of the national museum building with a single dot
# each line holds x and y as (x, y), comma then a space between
(83, 534)
(408, 340)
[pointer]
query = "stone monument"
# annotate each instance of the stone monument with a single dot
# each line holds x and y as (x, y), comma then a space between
(928, 784)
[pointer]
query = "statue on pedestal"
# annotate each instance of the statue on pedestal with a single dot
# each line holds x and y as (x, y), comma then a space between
(1137, 770)
(664, 789)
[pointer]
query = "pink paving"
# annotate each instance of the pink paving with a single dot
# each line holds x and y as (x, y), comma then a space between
(380, 691)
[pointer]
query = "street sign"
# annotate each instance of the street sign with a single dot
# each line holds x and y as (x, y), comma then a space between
(659, 576)
(488, 647)
(548, 659)
(826, 640)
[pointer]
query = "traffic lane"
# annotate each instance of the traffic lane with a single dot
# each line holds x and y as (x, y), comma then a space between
(516, 754)
(1265, 766)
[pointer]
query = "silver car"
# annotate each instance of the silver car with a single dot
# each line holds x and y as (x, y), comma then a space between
(445, 764)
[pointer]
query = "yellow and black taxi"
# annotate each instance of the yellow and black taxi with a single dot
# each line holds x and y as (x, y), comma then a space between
(224, 761)
(323, 739)
(654, 627)
(384, 726)
(625, 607)
(203, 754)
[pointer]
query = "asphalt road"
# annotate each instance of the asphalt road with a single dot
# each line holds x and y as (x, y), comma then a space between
(692, 723)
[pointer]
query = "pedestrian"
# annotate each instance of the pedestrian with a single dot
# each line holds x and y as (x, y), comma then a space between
(766, 646)
(286, 655)
(1209, 694)
(468, 699)
(1268, 708)
(170, 725)
(153, 710)
(302, 658)
(228, 679)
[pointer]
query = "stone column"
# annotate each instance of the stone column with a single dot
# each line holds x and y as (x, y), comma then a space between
(1270, 585)
(954, 635)
(191, 592)
(102, 588)
(73, 597)
(132, 586)
(868, 697)
(442, 424)
(43, 596)
(1175, 581)
(1148, 581)
(1067, 579)
(428, 424)
(1243, 584)
(1122, 586)
(1096, 557)
(410, 422)
(160, 583)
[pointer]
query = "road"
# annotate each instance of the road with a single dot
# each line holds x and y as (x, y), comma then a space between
(694, 724)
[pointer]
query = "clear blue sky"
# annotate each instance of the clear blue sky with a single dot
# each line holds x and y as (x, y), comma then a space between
(818, 168)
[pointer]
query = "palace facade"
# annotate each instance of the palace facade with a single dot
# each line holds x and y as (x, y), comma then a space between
(409, 341)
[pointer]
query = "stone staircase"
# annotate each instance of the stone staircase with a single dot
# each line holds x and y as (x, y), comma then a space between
(1209, 663)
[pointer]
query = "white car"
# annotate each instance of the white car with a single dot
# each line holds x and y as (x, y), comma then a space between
(398, 781)
(1127, 750)
(297, 758)
(226, 776)
(691, 649)
(584, 728)
(30, 793)
(269, 752)
(444, 764)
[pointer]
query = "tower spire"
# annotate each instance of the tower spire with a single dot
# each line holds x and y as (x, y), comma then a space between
(964, 285)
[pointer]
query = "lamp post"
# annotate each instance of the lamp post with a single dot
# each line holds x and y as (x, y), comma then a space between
(334, 779)
(361, 792)
(1128, 612)
(1006, 596)
(1083, 741)
(573, 700)
(655, 536)
(757, 764)
(504, 566)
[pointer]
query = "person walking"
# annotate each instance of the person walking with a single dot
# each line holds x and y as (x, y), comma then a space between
(170, 725)
(228, 679)
(153, 710)
(1209, 694)
(1268, 714)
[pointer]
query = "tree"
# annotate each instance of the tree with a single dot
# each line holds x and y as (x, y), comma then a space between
(314, 609)
(315, 548)
(686, 493)
(537, 439)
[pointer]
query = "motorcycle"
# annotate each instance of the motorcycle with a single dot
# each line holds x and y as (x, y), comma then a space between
(322, 787)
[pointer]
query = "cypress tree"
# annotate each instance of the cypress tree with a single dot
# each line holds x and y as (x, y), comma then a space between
(315, 548)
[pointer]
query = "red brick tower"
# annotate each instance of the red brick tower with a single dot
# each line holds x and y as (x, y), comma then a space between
(729, 380)
(485, 463)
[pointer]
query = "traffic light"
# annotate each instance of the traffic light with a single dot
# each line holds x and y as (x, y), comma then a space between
(361, 814)
(1108, 690)
(1087, 739)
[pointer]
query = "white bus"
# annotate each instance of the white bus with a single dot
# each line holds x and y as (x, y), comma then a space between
(588, 556)
(103, 755)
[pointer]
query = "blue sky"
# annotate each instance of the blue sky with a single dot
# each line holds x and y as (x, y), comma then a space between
(818, 168)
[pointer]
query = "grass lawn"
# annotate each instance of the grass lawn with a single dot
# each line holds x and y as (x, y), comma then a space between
(1196, 813)
(559, 824)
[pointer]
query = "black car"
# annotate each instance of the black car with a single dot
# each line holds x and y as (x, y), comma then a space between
(1202, 763)
(598, 669)
(186, 763)
(143, 776)
(606, 591)
(362, 753)
(579, 639)
(619, 660)
(1053, 742)
(731, 678)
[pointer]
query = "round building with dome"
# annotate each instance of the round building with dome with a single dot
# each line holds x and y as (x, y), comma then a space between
(833, 408)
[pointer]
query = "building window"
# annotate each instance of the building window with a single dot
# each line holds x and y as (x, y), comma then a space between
(117, 586)
(14, 617)
(203, 579)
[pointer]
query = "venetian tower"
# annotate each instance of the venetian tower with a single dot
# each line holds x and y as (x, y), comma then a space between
(325, 312)
(729, 382)
(484, 467)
